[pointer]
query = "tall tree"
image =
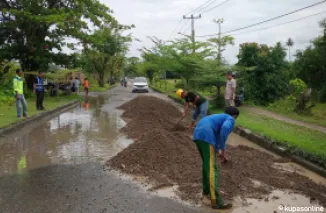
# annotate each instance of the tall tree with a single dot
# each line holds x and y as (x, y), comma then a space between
(104, 53)
(33, 31)
(310, 64)
(269, 80)
(219, 45)
(290, 44)
(249, 54)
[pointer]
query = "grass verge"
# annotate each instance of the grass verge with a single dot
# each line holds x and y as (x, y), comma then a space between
(301, 140)
(8, 113)
(285, 107)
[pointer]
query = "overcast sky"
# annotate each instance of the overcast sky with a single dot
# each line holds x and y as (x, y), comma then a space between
(160, 17)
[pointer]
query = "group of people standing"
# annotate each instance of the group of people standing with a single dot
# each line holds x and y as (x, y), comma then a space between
(75, 83)
(38, 90)
(210, 136)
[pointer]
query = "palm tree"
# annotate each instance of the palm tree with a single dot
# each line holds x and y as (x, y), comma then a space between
(290, 44)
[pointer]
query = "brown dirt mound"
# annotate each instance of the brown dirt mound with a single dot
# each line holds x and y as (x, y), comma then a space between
(170, 157)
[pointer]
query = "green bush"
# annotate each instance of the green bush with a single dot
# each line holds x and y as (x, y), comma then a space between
(297, 86)
(6, 99)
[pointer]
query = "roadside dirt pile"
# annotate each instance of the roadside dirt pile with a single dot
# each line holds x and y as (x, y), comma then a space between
(170, 157)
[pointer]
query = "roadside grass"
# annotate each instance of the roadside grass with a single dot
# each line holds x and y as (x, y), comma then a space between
(8, 113)
(285, 107)
(300, 138)
(168, 87)
(293, 136)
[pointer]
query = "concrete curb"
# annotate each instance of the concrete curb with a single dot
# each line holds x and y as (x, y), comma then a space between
(36, 117)
(272, 146)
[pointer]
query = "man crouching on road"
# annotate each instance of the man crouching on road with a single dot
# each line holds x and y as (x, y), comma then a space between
(197, 101)
(210, 136)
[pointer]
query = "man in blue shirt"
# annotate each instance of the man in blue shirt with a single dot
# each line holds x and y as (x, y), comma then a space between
(210, 136)
(38, 89)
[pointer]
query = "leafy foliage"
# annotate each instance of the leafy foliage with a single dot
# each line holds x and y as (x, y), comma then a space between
(178, 58)
(310, 64)
(269, 80)
(104, 52)
(249, 54)
(220, 43)
(7, 72)
(32, 29)
(297, 86)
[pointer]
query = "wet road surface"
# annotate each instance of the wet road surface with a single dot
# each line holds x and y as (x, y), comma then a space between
(57, 165)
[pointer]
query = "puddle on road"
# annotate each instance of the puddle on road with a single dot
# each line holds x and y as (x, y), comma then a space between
(84, 134)
(272, 203)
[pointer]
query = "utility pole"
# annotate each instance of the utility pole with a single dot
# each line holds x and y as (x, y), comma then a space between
(219, 56)
(192, 17)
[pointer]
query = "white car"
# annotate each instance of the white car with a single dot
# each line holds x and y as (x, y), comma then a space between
(140, 84)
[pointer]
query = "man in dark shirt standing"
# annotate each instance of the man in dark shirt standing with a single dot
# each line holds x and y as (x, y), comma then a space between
(198, 101)
(38, 89)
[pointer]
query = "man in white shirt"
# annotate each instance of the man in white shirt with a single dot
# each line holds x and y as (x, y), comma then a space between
(230, 87)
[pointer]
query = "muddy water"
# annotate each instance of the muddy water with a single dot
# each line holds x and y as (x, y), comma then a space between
(88, 133)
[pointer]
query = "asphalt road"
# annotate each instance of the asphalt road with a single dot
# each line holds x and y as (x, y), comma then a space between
(48, 186)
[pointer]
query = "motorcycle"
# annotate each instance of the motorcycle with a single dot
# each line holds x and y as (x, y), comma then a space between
(53, 89)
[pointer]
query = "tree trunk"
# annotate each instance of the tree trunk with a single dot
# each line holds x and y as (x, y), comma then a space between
(101, 80)
(218, 91)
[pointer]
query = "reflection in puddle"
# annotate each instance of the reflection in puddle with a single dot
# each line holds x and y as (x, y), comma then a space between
(83, 134)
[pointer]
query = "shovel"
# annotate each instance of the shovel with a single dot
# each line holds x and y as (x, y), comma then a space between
(177, 125)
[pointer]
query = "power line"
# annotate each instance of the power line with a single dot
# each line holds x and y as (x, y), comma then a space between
(176, 27)
(288, 22)
(199, 7)
(183, 26)
(185, 31)
(272, 19)
(206, 11)
(194, 10)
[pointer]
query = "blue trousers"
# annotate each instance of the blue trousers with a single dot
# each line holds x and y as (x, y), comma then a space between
(200, 111)
(24, 104)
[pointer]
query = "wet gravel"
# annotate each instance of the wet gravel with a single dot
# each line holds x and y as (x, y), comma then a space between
(169, 157)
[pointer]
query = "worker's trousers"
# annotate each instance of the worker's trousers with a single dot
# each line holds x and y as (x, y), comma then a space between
(209, 172)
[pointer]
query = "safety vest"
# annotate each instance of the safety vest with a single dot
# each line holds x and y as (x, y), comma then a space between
(18, 85)
(39, 85)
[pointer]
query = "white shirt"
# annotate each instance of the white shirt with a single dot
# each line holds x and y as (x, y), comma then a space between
(228, 89)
